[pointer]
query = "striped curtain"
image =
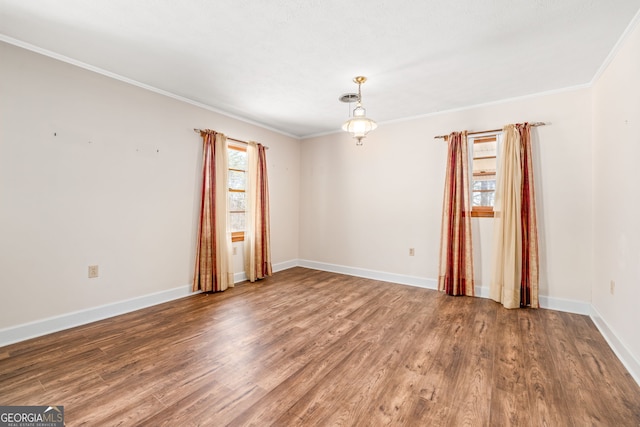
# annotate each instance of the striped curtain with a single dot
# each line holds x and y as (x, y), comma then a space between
(455, 275)
(514, 281)
(213, 269)
(257, 242)
(530, 261)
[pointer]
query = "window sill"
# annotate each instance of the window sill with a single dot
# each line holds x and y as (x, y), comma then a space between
(482, 213)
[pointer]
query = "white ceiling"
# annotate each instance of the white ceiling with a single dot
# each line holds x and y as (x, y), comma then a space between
(284, 63)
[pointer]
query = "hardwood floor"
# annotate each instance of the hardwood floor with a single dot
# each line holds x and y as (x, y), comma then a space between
(311, 348)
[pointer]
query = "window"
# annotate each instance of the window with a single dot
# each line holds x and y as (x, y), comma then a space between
(237, 187)
(484, 150)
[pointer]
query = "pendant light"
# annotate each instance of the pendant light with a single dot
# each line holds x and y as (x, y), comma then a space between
(359, 125)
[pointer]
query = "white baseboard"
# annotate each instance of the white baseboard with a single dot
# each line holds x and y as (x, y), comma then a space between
(370, 274)
(619, 348)
(280, 266)
(241, 277)
(482, 292)
(49, 325)
(551, 303)
(566, 305)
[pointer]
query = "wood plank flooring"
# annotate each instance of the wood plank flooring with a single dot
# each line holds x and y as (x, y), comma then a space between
(311, 348)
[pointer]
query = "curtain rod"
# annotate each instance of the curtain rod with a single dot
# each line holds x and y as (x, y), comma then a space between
(491, 130)
(232, 139)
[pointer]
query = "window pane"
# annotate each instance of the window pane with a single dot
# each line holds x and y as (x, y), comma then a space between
(236, 180)
(484, 192)
(237, 202)
(484, 165)
(489, 184)
(485, 149)
(237, 221)
(476, 199)
(237, 159)
(489, 198)
(483, 198)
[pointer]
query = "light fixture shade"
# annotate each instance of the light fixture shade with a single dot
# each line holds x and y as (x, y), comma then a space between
(359, 127)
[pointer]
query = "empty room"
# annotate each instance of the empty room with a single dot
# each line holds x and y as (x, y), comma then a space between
(304, 213)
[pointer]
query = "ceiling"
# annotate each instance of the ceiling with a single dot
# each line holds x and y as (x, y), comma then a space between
(284, 63)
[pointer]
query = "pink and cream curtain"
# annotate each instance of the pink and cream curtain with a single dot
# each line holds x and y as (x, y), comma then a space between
(257, 245)
(214, 269)
(530, 261)
(456, 249)
(514, 280)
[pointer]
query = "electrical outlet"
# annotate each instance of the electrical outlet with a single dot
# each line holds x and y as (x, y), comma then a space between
(612, 287)
(412, 251)
(93, 271)
(235, 250)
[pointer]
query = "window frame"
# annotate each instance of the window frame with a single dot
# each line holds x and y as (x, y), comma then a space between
(483, 211)
(237, 236)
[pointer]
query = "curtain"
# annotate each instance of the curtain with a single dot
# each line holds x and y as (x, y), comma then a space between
(455, 275)
(514, 281)
(530, 260)
(257, 244)
(507, 232)
(213, 269)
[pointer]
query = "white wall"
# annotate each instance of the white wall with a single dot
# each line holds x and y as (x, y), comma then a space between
(364, 207)
(616, 202)
(116, 186)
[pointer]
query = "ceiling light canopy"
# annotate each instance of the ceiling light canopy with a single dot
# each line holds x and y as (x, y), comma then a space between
(359, 125)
